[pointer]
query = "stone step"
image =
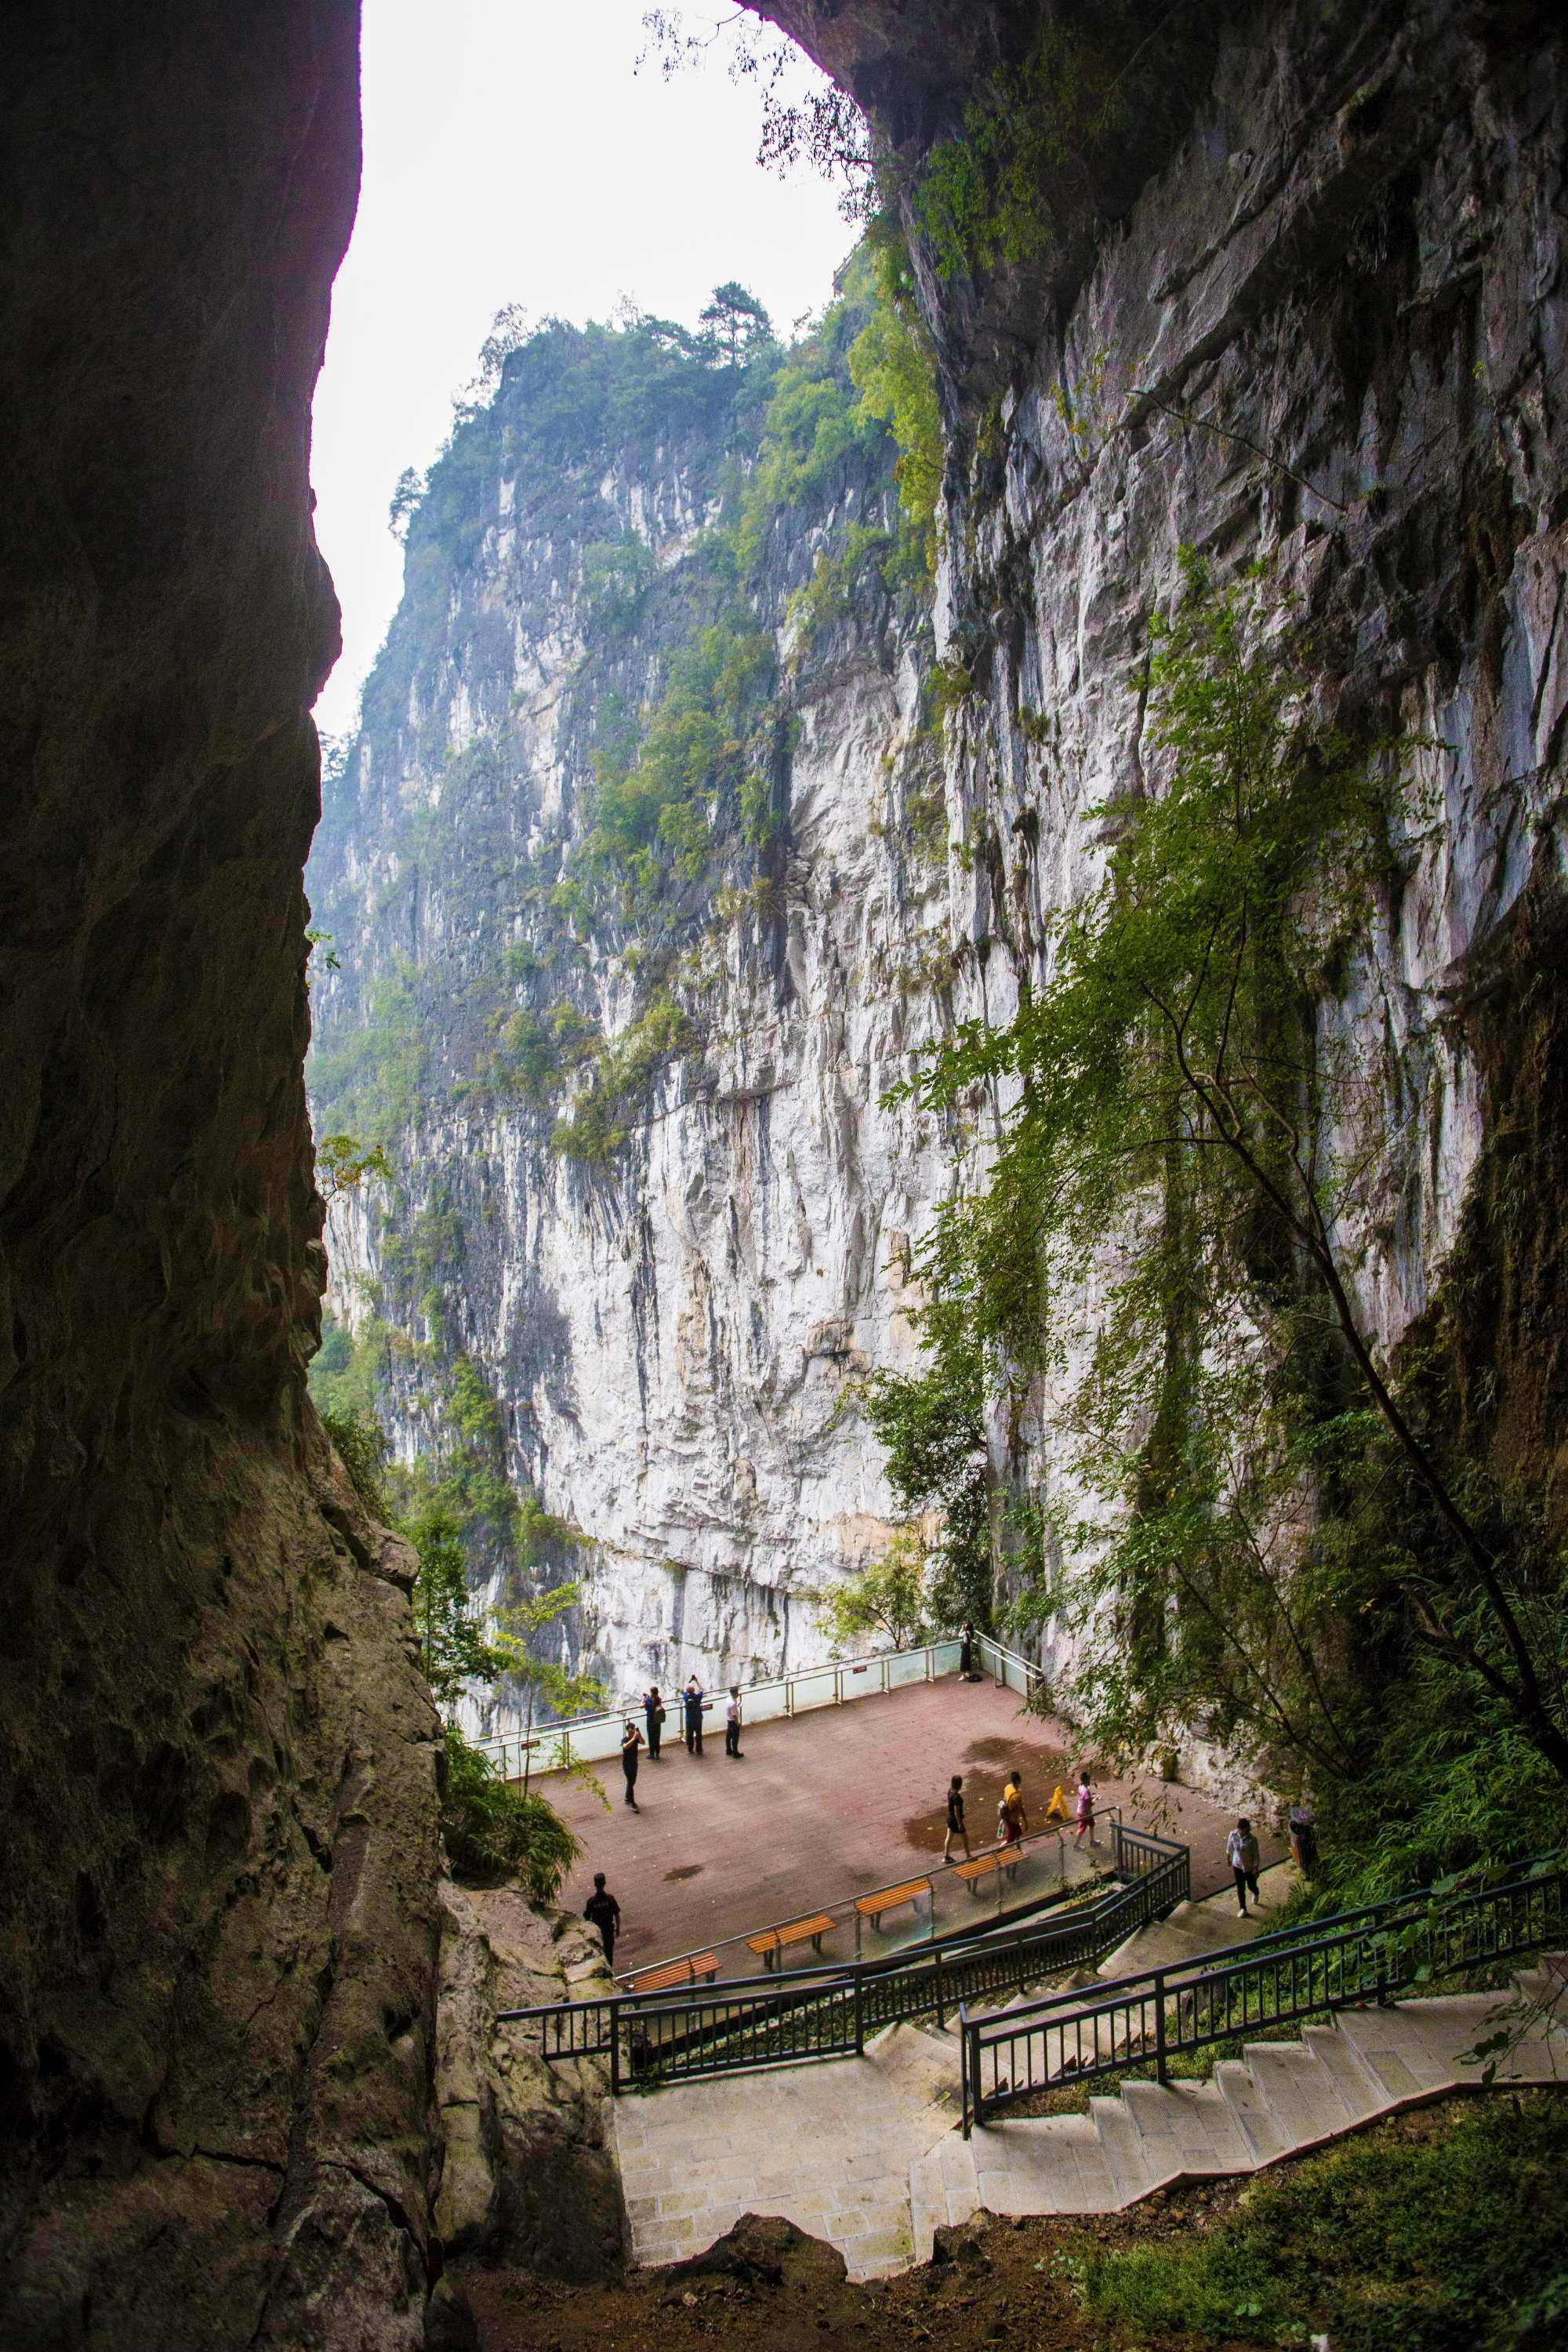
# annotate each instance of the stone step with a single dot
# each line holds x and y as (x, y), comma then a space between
(1123, 2149)
(1363, 2094)
(944, 2188)
(1258, 2125)
(1298, 2091)
(1185, 2129)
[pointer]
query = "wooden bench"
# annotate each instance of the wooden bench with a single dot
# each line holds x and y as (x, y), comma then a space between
(772, 1940)
(891, 1899)
(700, 1969)
(982, 1864)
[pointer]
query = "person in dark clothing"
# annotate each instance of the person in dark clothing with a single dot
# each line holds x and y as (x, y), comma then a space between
(605, 1915)
(631, 1740)
(652, 1716)
(955, 1823)
(1304, 1839)
(733, 1722)
(693, 1705)
(966, 1653)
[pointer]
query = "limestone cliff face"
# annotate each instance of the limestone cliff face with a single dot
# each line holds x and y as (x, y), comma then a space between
(1320, 322)
(672, 1330)
(218, 1951)
(1305, 304)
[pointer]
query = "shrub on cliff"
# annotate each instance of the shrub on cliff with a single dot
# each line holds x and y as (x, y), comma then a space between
(494, 1832)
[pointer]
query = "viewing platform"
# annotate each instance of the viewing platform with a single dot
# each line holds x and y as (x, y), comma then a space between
(837, 1806)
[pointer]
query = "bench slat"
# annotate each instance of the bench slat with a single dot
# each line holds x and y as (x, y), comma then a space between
(795, 1932)
(703, 1965)
(889, 1897)
(978, 1866)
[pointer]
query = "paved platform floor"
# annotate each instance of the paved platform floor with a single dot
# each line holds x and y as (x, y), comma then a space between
(823, 1806)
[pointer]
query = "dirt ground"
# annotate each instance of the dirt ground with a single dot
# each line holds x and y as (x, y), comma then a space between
(772, 2288)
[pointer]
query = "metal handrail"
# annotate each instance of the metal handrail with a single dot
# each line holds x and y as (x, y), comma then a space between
(826, 2012)
(586, 1734)
(1108, 1816)
(1356, 1956)
(596, 1738)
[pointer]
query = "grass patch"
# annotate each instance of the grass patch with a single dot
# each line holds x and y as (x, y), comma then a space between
(1446, 2230)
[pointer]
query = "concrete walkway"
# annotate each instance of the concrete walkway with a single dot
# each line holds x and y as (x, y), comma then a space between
(866, 2153)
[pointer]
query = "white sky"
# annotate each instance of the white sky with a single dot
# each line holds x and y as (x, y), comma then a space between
(512, 156)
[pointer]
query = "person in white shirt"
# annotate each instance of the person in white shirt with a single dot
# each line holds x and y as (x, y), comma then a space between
(733, 1722)
(1241, 1852)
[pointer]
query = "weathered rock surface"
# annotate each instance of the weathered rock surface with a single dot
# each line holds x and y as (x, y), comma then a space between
(1318, 319)
(670, 1335)
(1325, 331)
(527, 2178)
(217, 1919)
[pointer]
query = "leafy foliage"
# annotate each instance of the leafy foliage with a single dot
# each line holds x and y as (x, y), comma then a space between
(1179, 1100)
(892, 369)
(886, 1599)
(1453, 2238)
(932, 1429)
(493, 1831)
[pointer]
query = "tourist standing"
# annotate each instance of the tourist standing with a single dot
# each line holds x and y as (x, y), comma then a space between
(605, 1915)
(1241, 1852)
(652, 1716)
(955, 1824)
(966, 1653)
(1303, 1829)
(631, 1740)
(692, 1703)
(1085, 1810)
(733, 1722)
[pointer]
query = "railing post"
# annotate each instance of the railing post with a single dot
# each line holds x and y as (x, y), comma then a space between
(964, 2065)
(859, 2018)
(941, 2007)
(1159, 2024)
(615, 2048)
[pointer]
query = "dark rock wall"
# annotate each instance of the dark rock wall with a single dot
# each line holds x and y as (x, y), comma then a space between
(218, 1916)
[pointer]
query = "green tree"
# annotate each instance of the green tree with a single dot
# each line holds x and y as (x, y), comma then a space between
(734, 320)
(516, 1654)
(886, 1596)
(935, 1438)
(406, 498)
(1178, 1097)
(492, 1830)
(453, 1646)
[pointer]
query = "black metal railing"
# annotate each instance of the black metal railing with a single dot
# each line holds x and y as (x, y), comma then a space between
(828, 2012)
(1359, 1956)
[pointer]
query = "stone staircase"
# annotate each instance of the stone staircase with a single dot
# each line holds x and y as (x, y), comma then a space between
(1282, 2098)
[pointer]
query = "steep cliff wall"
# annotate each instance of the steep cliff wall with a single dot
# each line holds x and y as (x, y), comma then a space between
(1293, 296)
(666, 1300)
(219, 1930)
(1318, 322)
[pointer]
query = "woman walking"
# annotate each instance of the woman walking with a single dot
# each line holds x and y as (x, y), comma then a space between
(1241, 1852)
(631, 1740)
(1085, 1808)
(955, 1827)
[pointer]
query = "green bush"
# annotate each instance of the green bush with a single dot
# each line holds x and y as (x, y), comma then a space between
(1455, 2240)
(494, 1832)
(362, 1447)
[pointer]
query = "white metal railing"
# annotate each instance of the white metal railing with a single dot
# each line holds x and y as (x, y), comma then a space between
(1007, 1668)
(597, 1738)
